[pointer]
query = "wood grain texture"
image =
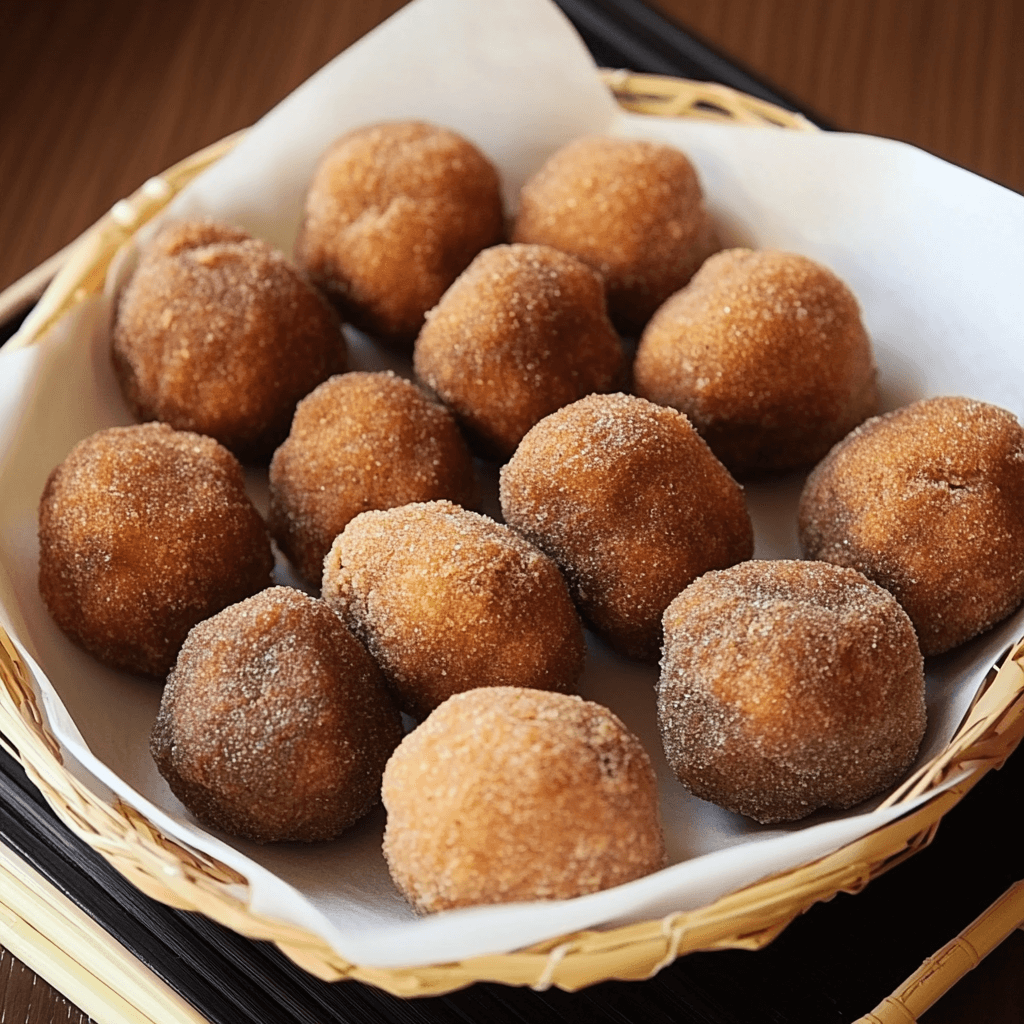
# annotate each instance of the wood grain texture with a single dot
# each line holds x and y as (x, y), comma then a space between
(26, 999)
(98, 95)
(944, 75)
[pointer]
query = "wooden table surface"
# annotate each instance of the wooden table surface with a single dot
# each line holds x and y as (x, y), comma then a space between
(98, 95)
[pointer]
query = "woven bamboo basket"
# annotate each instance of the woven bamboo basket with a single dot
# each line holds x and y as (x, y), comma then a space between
(748, 919)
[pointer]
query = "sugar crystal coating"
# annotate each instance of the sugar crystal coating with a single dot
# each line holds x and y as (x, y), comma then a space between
(447, 600)
(522, 332)
(766, 354)
(219, 333)
(275, 723)
(787, 687)
(927, 501)
(394, 214)
(631, 504)
(143, 532)
(630, 209)
(361, 441)
(507, 795)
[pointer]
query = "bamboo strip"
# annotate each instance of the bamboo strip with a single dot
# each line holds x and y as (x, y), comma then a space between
(62, 944)
(748, 918)
(939, 973)
(703, 101)
(87, 259)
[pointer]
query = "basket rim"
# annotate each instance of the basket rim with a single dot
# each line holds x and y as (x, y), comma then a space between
(747, 918)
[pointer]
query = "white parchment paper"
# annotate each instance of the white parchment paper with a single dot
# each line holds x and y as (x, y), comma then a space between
(935, 255)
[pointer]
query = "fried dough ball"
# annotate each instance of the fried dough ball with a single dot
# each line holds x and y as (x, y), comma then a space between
(787, 687)
(927, 501)
(505, 795)
(394, 214)
(631, 504)
(219, 333)
(361, 441)
(143, 532)
(766, 354)
(447, 600)
(275, 724)
(522, 332)
(632, 210)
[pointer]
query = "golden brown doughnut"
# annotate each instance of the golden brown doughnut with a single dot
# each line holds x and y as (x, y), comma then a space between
(361, 441)
(275, 724)
(632, 210)
(522, 332)
(447, 600)
(631, 504)
(143, 532)
(506, 795)
(927, 501)
(218, 333)
(787, 687)
(394, 214)
(766, 354)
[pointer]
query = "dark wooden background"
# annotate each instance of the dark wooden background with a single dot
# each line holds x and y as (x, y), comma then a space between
(98, 95)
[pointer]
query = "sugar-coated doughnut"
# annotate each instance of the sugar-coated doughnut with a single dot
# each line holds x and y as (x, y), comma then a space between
(766, 354)
(631, 504)
(394, 214)
(632, 210)
(275, 724)
(787, 687)
(927, 501)
(506, 795)
(143, 532)
(219, 333)
(361, 441)
(447, 600)
(522, 332)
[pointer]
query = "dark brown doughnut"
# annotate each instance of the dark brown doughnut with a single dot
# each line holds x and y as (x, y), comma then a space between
(275, 724)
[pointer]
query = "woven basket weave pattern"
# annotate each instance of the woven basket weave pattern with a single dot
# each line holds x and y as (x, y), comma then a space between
(749, 918)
